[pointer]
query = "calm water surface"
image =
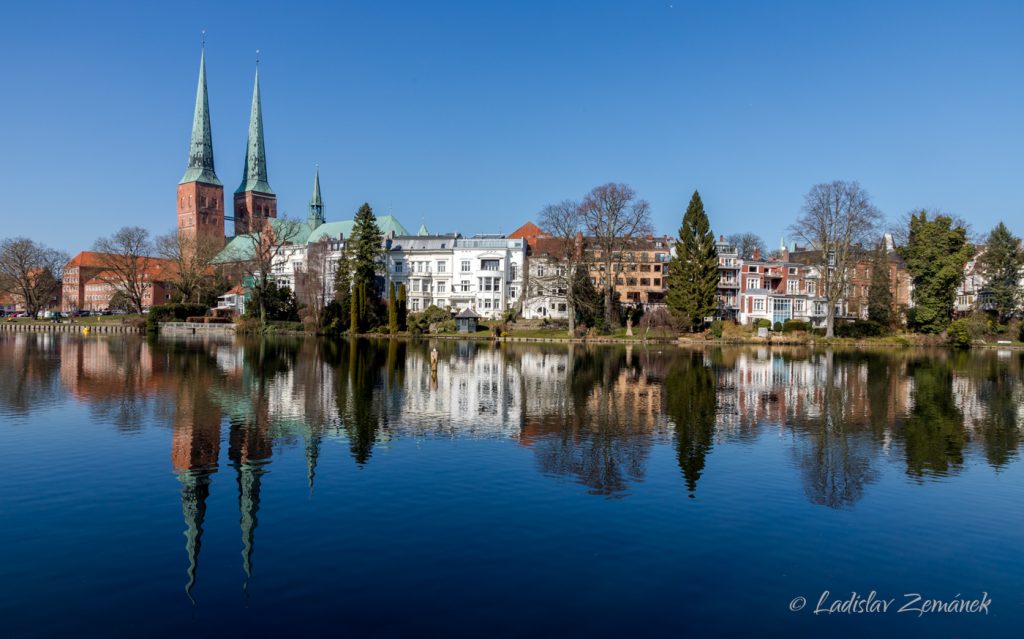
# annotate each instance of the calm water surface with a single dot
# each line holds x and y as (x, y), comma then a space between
(280, 488)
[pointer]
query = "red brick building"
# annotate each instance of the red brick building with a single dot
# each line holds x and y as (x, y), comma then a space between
(89, 283)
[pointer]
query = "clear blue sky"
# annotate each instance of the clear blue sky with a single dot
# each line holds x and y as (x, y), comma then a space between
(473, 115)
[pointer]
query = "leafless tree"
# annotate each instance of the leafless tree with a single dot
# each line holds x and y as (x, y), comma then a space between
(314, 284)
(127, 263)
(260, 251)
(193, 260)
(564, 223)
(614, 219)
(30, 272)
(746, 244)
(838, 222)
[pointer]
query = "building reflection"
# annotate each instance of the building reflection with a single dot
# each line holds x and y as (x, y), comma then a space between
(589, 415)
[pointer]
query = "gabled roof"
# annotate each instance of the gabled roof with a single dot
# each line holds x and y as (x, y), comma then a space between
(467, 313)
(526, 231)
(239, 249)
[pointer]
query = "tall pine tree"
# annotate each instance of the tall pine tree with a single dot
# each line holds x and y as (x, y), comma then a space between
(403, 310)
(880, 293)
(343, 286)
(367, 244)
(693, 273)
(1000, 266)
(392, 311)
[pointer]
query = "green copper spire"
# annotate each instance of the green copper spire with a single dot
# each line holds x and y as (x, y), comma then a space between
(316, 205)
(255, 171)
(200, 154)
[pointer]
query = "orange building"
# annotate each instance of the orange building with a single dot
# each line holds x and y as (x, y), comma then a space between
(90, 283)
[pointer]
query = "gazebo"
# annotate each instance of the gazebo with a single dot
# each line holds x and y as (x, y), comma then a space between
(465, 321)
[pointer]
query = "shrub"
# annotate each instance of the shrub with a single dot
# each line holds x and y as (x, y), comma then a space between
(859, 329)
(792, 325)
(959, 333)
(763, 323)
(172, 313)
(717, 328)
(1020, 334)
(777, 327)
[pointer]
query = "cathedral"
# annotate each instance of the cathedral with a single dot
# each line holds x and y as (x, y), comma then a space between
(200, 192)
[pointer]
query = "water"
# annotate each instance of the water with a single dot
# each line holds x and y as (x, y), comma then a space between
(303, 488)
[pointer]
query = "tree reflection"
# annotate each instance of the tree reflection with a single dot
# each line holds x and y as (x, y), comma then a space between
(933, 434)
(691, 399)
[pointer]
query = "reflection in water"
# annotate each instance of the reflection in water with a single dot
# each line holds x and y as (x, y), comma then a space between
(592, 415)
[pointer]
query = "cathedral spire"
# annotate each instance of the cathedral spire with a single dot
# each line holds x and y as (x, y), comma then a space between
(316, 205)
(200, 154)
(254, 177)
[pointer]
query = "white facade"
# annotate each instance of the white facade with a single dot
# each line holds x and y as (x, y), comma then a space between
(488, 275)
(545, 296)
(424, 264)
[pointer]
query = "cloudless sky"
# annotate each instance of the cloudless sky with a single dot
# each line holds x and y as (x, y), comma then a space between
(471, 116)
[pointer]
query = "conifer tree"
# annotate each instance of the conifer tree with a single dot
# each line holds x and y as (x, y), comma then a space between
(403, 310)
(1000, 266)
(343, 284)
(392, 311)
(354, 310)
(693, 272)
(880, 292)
(367, 243)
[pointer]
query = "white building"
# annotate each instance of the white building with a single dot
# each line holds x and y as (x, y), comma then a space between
(425, 264)
(488, 275)
(546, 285)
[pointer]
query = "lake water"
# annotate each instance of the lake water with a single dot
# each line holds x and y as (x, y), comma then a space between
(304, 488)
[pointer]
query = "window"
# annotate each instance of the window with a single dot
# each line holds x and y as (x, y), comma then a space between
(752, 269)
(645, 281)
(540, 271)
(798, 306)
(758, 303)
(415, 304)
(442, 287)
(512, 292)
(792, 270)
(465, 266)
(792, 287)
(657, 281)
(561, 307)
(398, 267)
(441, 266)
(465, 286)
(560, 271)
(415, 286)
(753, 282)
(489, 265)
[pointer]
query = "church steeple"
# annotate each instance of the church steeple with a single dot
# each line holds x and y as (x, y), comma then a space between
(316, 205)
(254, 177)
(255, 201)
(200, 154)
(200, 193)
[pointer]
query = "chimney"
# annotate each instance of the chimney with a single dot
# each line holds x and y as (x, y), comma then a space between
(757, 254)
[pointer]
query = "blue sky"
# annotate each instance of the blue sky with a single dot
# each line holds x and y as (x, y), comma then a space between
(472, 116)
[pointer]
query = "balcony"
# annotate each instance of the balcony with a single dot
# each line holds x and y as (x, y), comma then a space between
(773, 272)
(728, 284)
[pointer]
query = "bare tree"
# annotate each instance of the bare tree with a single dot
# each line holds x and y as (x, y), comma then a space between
(313, 285)
(563, 221)
(260, 251)
(838, 221)
(746, 244)
(30, 272)
(193, 260)
(614, 218)
(127, 264)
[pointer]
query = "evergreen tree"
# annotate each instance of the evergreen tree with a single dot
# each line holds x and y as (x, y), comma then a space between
(693, 272)
(1000, 266)
(367, 243)
(392, 311)
(880, 293)
(936, 252)
(403, 310)
(354, 310)
(343, 285)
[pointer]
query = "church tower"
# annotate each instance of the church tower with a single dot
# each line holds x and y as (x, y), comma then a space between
(316, 205)
(254, 199)
(200, 193)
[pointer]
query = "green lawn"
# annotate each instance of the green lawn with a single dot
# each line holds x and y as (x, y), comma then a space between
(80, 321)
